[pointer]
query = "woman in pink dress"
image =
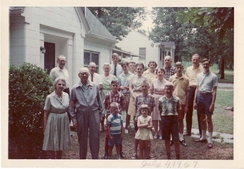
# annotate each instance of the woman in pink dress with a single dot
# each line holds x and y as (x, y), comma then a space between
(157, 90)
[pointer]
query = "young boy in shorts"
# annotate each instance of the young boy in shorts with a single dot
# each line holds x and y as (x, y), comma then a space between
(144, 98)
(115, 130)
(181, 88)
(169, 106)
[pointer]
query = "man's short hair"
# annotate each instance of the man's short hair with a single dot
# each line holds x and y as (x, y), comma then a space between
(124, 63)
(178, 64)
(206, 59)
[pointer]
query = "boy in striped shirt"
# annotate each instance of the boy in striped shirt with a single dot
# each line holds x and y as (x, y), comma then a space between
(115, 130)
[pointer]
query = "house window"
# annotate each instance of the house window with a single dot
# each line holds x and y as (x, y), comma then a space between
(90, 56)
(142, 52)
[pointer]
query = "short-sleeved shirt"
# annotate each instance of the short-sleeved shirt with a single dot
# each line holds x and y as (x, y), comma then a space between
(124, 80)
(206, 82)
(181, 86)
(169, 106)
(136, 82)
(141, 99)
(192, 73)
(58, 72)
(115, 123)
(111, 97)
(169, 72)
(53, 104)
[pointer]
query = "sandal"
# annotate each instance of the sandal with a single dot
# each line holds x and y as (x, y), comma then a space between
(210, 145)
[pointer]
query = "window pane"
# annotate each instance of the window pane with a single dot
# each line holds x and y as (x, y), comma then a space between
(142, 51)
(95, 58)
(86, 58)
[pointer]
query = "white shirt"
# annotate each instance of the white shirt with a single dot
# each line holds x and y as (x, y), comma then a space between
(57, 72)
(119, 69)
(96, 78)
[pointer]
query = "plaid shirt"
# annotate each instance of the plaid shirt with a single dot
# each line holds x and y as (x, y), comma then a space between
(169, 72)
(111, 97)
(141, 99)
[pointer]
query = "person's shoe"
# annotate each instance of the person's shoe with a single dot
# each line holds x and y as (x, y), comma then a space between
(118, 157)
(183, 143)
(126, 131)
(105, 156)
(134, 156)
(210, 145)
(155, 136)
(151, 156)
(201, 140)
(122, 155)
(171, 143)
(160, 137)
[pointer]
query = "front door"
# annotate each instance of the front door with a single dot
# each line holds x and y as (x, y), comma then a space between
(49, 57)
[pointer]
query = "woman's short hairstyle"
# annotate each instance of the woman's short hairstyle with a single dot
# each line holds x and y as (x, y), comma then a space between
(124, 63)
(57, 80)
(140, 64)
(162, 69)
(152, 62)
(107, 64)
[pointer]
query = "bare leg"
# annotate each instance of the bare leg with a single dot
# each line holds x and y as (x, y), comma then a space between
(155, 125)
(142, 147)
(147, 149)
(167, 147)
(177, 149)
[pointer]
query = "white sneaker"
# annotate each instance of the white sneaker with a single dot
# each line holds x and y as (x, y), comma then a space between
(126, 131)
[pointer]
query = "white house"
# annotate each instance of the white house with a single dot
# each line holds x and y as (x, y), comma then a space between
(139, 44)
(71, 31)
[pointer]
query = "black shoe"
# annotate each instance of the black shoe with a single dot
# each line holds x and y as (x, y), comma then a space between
(183, 143)
(171, 143)
(122, 155)
(105, 156)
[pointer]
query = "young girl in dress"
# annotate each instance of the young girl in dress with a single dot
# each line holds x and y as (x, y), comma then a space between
(144, 133)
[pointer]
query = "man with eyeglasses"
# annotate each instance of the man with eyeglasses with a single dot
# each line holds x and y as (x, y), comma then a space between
(94, 77)
(86, 112)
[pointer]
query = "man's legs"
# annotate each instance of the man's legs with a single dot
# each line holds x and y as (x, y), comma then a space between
(82, 132)
(190, 111)
(94, 134)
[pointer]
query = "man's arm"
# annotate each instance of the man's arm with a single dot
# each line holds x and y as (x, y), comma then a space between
(211, 108)
(72, 105)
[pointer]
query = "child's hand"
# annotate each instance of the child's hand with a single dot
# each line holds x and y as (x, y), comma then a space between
(111, 138)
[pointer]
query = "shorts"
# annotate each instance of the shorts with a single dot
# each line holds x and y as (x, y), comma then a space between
(203, 103)
(116, 140)
(181, 113)
(170, 125)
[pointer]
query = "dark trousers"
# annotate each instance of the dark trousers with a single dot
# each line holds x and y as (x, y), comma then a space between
(190, 111)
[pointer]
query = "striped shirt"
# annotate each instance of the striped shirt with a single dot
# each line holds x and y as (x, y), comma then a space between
(115, 122)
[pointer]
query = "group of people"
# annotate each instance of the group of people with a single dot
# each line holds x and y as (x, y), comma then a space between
(158, 100)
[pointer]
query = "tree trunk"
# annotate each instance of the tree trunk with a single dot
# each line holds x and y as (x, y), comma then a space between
(222, 68)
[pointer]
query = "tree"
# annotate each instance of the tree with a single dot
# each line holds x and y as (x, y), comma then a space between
(169, 28)
(219, 22)
(118, 20)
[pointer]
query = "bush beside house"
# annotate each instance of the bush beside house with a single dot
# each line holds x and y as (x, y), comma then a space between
(28, 87)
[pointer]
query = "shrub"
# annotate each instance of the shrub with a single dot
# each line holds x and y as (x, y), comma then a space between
(28, 87)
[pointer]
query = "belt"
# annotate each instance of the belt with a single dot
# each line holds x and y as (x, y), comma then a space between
(59, 112)
(205, 93)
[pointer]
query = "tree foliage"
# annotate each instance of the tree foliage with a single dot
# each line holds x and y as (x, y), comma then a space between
(218, 24)
(169, 28)
(28, 87)
(118, 20)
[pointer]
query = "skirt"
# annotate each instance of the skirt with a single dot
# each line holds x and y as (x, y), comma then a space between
(132, 108)
(57, 133)
(156, 114)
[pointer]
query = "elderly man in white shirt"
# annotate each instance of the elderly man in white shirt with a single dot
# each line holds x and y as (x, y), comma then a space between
(61, 71)
(94, 77)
